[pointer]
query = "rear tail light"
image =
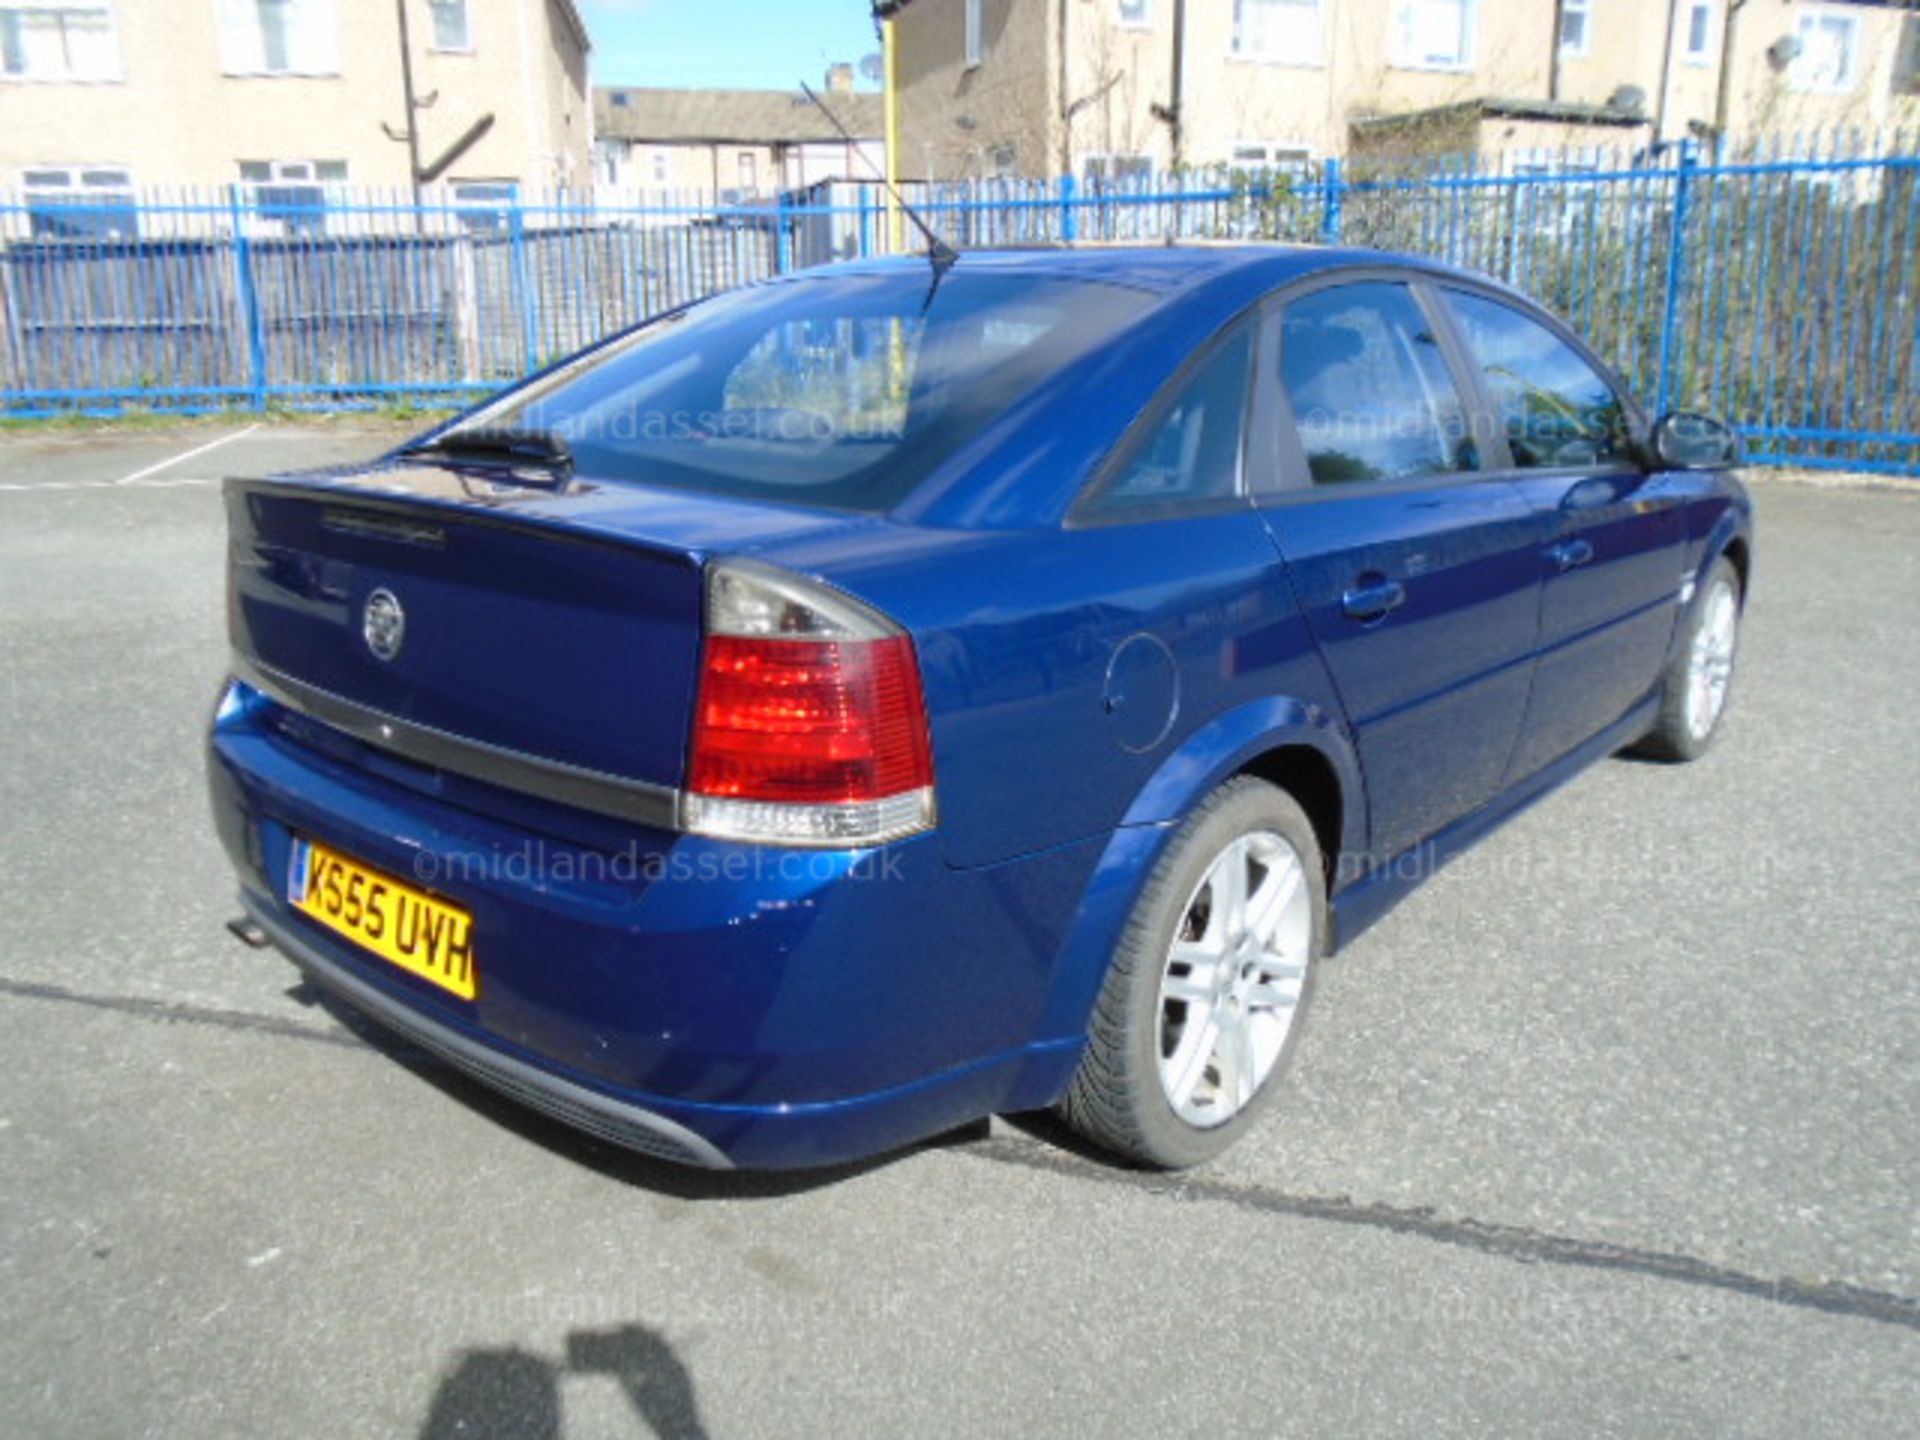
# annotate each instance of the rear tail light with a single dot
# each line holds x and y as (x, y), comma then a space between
(811, 726)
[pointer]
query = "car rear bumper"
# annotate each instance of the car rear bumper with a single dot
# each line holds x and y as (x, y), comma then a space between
(715, 1007)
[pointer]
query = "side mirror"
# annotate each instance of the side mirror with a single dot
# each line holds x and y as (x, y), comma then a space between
(1684, 440)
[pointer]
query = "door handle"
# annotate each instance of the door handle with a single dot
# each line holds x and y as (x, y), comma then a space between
(1373, 599)
(1569, 553)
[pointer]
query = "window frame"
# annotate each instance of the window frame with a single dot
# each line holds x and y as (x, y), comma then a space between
(1583, 9)
(466, 24)
(1397, 59)
(1292, 479)
(1316, 61)
(126, 193)
(1256, 420)
(1812, 15)
(327, 66)
(1704, 55)
(112, 73)
(295, 219)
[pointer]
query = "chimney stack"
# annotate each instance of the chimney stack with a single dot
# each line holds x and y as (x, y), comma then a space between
(840, 79)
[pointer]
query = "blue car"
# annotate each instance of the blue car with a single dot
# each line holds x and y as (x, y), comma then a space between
(895, 694)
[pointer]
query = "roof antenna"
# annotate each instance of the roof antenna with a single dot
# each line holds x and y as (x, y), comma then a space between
(939, 254)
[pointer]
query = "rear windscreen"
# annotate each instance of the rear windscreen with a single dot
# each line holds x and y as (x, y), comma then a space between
(841, 390)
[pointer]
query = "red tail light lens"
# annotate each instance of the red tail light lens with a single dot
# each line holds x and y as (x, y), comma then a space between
(810, 728)
(810, 722)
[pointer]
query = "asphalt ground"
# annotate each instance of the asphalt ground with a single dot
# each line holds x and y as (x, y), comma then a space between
(1613, 1128)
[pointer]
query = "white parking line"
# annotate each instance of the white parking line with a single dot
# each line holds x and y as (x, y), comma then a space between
(185, 456)
(141, 479)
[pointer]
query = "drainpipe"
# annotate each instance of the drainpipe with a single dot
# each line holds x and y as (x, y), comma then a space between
(413, 106)
(1063, 38)
(1553, 51)
(1666, 75)
(1723, 90)
(1176, 111)
(890, 104)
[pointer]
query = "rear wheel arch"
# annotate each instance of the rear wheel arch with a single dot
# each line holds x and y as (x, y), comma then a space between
(1288, 743)
(1309, 777)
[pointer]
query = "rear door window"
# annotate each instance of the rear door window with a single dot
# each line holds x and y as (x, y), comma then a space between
(1371, 394)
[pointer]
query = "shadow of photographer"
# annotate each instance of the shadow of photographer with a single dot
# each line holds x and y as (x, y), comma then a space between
(515, 1392)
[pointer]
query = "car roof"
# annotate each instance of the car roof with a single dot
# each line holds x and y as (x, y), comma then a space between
(1163, 269)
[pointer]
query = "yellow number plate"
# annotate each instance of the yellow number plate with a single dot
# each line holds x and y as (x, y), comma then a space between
(422, 935)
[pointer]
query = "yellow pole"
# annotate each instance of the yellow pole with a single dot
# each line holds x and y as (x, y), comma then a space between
(896, 239)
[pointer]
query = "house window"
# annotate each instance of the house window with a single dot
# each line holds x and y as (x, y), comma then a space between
(1289, 157)
(1576, 26)
(80, 202)
(749, 173)
(43, 41)
(1699, 32)
(1829, 58)
(1433, 34)
(279, 37)
(976, 38)
(1287, 31)
(1136, 14)
(484, 207)
(1109, 169)
(452, 29)
(292, 193)
(660, 161)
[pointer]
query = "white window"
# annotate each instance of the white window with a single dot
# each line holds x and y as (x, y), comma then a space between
(1576, 26)
(484, 206)
(45, 41)
(1697, 39)
(1136, 14)
(80, 202)
(1287, 31)
(452, 28)
(1829, 58)
(279, 37)
(660, 163)
(1433, 34)
(1284, 155)
(292, 193)
(976, 38)
(749, 172)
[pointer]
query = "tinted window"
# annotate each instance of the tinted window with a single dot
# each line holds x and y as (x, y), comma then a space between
(1557, 409)
(1370, 390)
(843, 390)
(1192, 452)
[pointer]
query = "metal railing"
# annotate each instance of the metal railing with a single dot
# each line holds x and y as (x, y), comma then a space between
(1776, 284)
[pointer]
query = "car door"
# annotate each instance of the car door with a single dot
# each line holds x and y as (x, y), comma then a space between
(1417, 569)
(1614, 539)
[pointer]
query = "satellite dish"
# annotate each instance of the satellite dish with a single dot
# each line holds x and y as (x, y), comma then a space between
(1784, 51)
(873, 68)
(1628, 98)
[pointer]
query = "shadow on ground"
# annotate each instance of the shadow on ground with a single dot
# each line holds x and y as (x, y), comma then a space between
(510, 1391)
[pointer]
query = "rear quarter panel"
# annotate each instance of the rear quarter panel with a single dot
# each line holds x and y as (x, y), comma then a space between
(1064, 667)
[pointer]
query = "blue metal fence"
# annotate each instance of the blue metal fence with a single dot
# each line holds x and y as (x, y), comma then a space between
(1776, 283)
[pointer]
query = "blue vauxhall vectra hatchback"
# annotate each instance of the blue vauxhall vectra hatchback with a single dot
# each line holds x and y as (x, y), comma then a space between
(858, 704)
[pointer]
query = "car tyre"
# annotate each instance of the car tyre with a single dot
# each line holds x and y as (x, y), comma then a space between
(1206, 960)
(1699, 676)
